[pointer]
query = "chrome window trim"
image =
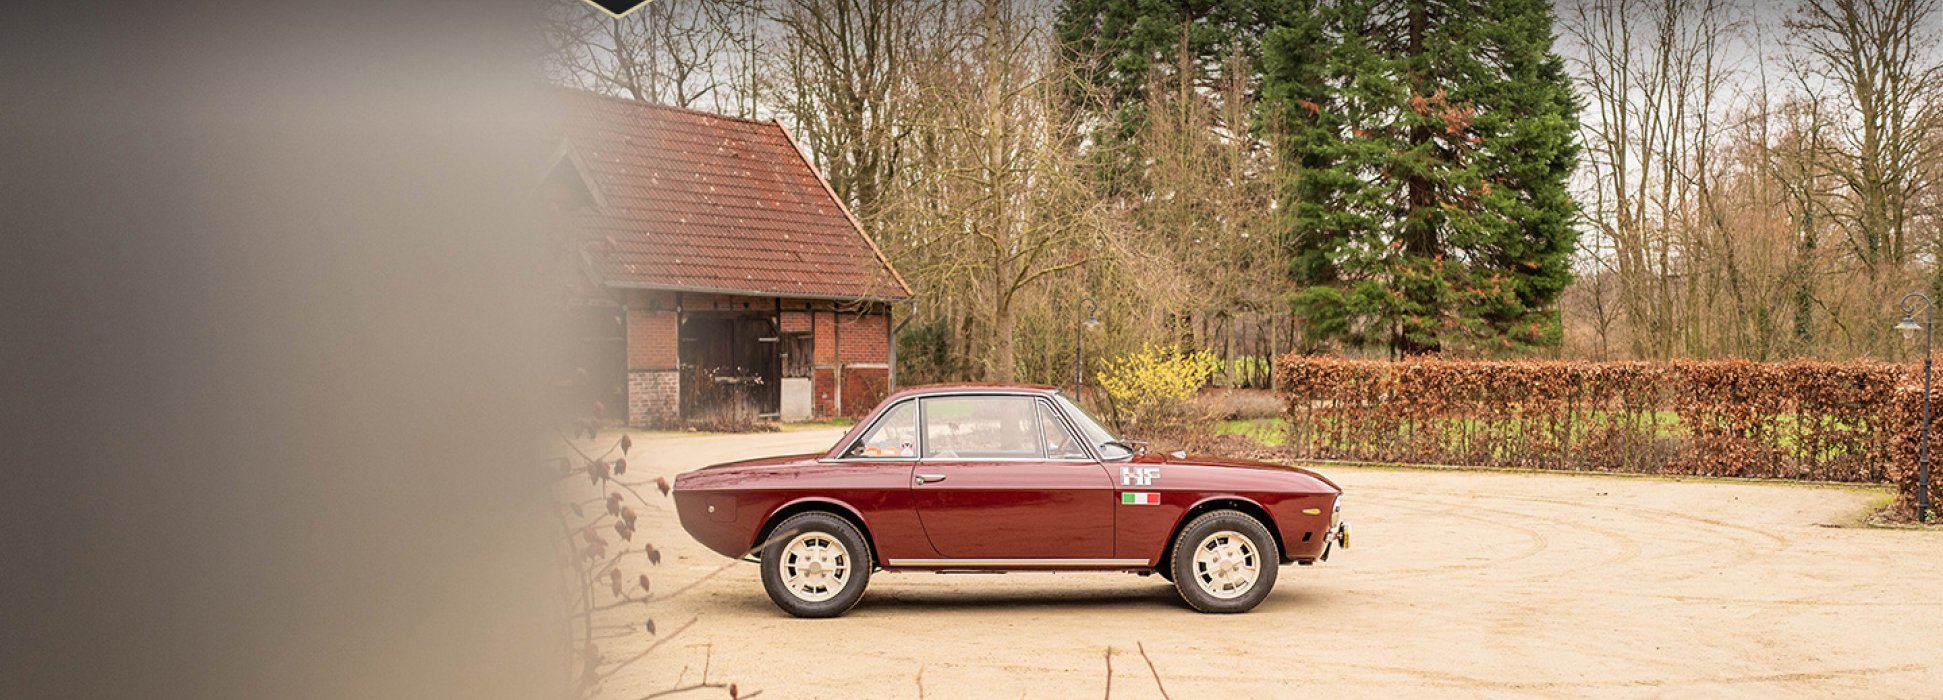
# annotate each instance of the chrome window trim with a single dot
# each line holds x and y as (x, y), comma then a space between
(1072, 434)
(1040, 396)
(962, 460)
(881, 417)
(924, 428)
(1090, 449)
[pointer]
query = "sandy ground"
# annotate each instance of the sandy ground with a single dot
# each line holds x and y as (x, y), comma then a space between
(1459, 584)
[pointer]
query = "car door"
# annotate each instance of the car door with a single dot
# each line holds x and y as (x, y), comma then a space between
(986, 486)
(873, 475)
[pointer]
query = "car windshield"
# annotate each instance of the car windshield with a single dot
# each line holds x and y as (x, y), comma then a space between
(1108, 446)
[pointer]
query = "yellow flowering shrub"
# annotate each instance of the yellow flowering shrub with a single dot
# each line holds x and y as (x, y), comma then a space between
(1153, 388)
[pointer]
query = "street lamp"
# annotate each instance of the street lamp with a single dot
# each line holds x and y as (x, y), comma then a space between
(1909, 327)
(1083, 319)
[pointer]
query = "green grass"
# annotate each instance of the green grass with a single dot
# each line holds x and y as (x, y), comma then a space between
(1273, 432)
(1838, 437)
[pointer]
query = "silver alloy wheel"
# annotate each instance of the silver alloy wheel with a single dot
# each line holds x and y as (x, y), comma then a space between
(815, 567)
(1226, 565)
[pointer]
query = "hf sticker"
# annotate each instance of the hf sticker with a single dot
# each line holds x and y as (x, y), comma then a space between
(1136, 498)
(1139, 476)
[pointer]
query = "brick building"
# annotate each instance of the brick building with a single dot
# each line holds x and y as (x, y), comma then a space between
(721, 266)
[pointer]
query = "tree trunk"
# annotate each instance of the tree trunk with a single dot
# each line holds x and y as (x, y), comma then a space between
(998, 367)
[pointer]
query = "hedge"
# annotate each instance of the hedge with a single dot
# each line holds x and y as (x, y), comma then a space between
(1824, 421)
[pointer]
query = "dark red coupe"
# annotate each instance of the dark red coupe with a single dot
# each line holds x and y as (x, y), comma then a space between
(1001, 478)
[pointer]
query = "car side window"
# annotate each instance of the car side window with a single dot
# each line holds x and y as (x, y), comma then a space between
(894, 436)
(981, 427)
(1060, 441)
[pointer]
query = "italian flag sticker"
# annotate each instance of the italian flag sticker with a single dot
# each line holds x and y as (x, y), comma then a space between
(1137, 498)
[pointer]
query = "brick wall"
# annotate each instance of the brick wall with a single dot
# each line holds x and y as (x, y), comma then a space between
(864, 388)
(823, 392)
(863, 339)
(653, 398)
(825, 338)
(860, 344)
(796, 322)
(653, 340)
(653, 353)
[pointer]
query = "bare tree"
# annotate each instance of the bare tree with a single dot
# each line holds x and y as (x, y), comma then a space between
(843, 75)
(1875, 63)
(993, 203)
(674, 52)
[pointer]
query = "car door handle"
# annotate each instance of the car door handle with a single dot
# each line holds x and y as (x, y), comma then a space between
(923, 479)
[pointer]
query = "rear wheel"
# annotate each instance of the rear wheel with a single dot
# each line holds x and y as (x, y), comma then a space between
(816, 565)
(1224, 562)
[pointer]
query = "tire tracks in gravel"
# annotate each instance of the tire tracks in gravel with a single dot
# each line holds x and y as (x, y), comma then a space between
(1458, 680)
(1628, 547)
(1536, 542)
(1742, 549)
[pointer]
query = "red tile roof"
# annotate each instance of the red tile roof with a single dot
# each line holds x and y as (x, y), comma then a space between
(701, 202)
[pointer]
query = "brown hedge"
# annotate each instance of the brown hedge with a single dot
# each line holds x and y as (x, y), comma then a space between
(1903, 449)
(1827, 421)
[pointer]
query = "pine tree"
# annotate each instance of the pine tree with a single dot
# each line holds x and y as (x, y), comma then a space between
(1428, 144)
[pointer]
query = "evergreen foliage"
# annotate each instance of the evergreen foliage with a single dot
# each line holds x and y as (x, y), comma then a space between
(1427, 147)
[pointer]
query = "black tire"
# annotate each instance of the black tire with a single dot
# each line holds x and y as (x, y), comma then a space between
(1262, 552)
(855, 556)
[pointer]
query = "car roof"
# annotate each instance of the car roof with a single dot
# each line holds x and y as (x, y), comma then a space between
(958, 389)
(973, 388)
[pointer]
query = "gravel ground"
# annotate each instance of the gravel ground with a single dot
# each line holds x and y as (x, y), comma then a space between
(1459, 584)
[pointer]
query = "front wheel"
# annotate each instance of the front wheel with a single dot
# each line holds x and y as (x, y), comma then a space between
(816, 565)
(1225, 562)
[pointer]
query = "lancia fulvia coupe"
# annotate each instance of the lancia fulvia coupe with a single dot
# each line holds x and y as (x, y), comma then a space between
(1006, 478)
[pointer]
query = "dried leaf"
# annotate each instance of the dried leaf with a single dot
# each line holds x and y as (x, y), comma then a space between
(1831, 421)
(661, 482)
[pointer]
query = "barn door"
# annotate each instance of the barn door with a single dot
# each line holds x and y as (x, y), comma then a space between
(729, 362)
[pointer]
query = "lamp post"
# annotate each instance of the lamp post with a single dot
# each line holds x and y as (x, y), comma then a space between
(1909, 327)
(1083, 319)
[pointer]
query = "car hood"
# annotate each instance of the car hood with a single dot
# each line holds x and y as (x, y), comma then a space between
(1177, 458)
(779, 461)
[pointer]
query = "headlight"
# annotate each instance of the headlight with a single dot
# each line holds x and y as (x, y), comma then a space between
(1339, 503)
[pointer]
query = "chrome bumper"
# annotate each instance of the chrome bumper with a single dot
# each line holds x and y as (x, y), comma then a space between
(1338, 537)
